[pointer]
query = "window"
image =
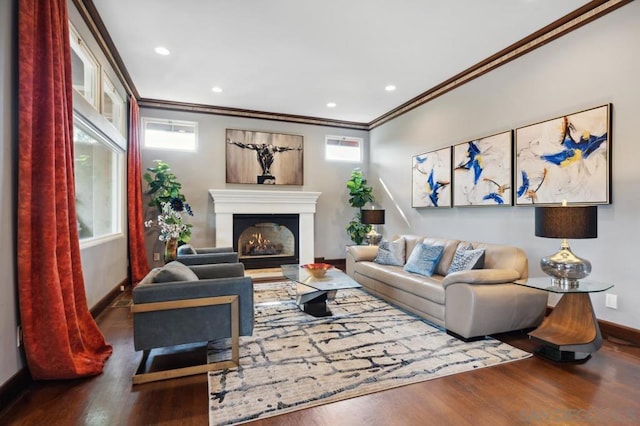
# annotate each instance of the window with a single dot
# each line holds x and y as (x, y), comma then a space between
(98, 177)
(112, 104)
(84, 69)
(169, 134)
(343, 148)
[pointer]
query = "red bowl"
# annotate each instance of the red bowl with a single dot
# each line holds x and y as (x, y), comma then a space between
(317, 270)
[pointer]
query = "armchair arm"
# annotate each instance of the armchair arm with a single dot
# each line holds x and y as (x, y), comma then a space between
(218, 270)
(362, 253)
(207, 258)
(482, 276)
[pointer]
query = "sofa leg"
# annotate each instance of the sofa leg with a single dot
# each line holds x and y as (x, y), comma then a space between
(465, 339)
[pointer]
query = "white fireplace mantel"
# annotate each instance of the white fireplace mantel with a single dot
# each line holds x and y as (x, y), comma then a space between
(227, 202)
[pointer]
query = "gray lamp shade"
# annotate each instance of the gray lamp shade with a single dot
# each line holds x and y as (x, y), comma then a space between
(570, 222)
(372, 217)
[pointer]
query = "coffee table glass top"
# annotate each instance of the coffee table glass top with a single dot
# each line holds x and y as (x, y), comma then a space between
(334, 279)
(545, 283)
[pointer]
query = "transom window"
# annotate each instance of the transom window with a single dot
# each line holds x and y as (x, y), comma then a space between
(113, 106)
(169, 134)
(84, 69)
(343, 148)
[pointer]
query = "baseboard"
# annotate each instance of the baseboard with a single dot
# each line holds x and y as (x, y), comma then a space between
(620, 332)
(11, 390)
(105, 302)
(612, 330)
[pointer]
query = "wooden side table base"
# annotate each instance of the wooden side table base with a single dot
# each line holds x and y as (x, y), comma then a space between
(571, 332)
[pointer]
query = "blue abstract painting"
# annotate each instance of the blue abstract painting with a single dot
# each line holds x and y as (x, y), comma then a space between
(431, 176)
(482, 171)
(566, 158)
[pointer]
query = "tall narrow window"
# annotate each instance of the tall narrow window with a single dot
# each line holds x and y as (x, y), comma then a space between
(84, 69)
(98, 178)
(343, 148)
(169, 134)
(113, 107)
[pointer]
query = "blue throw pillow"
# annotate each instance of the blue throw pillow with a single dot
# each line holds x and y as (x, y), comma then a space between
(391, 253)
(424, 258)
(464, 260)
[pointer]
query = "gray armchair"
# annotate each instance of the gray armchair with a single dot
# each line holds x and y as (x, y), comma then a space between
(180, 304)
(189, 255)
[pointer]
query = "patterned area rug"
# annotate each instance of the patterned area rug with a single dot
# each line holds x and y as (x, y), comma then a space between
(295, 361)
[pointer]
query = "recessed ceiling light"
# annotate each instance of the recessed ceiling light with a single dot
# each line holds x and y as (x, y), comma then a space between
(216, 89)
(160, 50)
(390, 88)
(331, 105)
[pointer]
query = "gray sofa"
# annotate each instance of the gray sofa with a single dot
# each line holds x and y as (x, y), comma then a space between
(469, 304)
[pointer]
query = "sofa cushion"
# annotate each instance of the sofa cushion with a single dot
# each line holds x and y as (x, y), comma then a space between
(174, 271)
(391, 253)
(466, 259)
(424, 258)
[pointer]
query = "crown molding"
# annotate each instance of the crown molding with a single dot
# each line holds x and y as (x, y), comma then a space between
(582, 16)
(243, 113)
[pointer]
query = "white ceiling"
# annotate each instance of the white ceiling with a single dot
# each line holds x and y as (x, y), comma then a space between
(295, 56)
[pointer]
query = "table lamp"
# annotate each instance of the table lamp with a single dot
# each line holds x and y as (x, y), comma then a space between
(566, 222)
(372, 217)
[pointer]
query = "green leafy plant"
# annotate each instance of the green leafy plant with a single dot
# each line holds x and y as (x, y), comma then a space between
(359, 195)
(164, 189)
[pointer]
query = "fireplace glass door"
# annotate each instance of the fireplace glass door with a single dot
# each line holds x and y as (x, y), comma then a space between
(265, 241)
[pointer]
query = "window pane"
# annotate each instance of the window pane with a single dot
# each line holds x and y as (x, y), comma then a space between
(112, 105)
(170, 134)
(340, 148)
(84, 69)
(97, 179)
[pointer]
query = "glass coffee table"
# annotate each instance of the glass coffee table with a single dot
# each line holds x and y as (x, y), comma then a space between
(312, 293)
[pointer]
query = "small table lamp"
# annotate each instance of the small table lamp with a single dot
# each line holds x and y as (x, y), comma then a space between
(566, 222)
(372, 217)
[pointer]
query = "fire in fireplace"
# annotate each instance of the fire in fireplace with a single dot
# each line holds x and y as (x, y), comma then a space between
(266, 240)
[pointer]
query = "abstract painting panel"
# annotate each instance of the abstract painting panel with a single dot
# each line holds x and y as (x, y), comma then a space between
(264, 158)
(482, 171)
(431, 179)
(566, 158)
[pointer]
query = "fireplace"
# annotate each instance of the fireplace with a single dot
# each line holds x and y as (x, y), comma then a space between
(266, 240)
(228, 203)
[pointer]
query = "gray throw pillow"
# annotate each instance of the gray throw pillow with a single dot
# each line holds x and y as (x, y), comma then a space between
(466, 259)
(424, 258)
(391, 253)
(175, 271)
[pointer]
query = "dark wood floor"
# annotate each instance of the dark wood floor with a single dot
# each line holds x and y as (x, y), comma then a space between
(604, 390)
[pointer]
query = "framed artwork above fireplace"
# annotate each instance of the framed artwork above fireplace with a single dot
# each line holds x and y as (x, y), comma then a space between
(264, 158)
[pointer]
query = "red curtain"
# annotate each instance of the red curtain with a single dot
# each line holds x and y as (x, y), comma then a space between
(137, 250)
(61, 339)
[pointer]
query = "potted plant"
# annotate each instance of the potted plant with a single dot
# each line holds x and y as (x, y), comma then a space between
(359, 195)
(171, 204)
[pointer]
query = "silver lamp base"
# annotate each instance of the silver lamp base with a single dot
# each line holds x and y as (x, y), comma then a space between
(372, 237)
(565, 268)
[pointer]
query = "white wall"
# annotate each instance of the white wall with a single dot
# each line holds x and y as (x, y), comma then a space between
(591, 66)
(10, 360)
(198, 172)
